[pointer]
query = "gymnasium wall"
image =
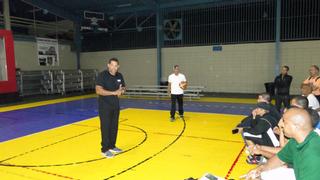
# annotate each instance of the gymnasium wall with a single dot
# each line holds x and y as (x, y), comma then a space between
(26, 56)
(237, 68)
(138, 66)
(299, 56)
(240, 68)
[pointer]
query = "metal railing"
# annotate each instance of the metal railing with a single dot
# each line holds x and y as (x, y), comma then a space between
(55, 81)
(192, 92)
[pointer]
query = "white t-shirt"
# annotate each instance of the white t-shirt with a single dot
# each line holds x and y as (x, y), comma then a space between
(175, 81)
(313, 102)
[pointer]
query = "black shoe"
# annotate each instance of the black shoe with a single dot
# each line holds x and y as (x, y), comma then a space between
(254, 159)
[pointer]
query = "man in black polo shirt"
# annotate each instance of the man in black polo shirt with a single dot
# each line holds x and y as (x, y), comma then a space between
(109, 86)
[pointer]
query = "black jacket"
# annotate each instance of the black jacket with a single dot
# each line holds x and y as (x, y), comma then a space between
(273, 112)
(282, 85)
(260, 125)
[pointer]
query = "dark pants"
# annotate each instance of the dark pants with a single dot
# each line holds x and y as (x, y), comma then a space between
(264, 141)
(285, 99)
(109, 120)
(174, 99)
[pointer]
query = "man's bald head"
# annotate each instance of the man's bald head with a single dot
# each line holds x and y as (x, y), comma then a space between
(296, 120)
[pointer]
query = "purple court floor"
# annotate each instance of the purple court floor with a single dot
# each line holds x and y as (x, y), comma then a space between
(18, 123)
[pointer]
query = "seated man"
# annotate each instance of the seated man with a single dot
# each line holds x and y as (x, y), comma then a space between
(262, 98)
(268, 152)
(314, 115)
(315, 118)
(306, 91)
(301, 152)
(303, 103)
(261, 129)
(300, 102)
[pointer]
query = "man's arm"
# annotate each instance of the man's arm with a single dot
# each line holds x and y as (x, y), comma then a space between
(260, 128)
(290, 80)
(316, 85)
(123, 85)
(306, 81)
(102, 92)
(184, 80)
(272, 150)
(169, 88)
(276, 82)
(272, 163)
(257, 149)
(282, 139)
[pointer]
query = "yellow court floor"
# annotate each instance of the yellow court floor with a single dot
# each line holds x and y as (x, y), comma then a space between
(154, 149)
(59, 100)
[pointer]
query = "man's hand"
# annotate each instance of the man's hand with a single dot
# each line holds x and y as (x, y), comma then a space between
(254, 149)
(254, 174)
(240, 130)
(254, 113)
(119, 92)
(123, 90)
(276, 130)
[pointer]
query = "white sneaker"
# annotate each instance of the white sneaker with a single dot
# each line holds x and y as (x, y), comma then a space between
(108, 154)
(115, 150)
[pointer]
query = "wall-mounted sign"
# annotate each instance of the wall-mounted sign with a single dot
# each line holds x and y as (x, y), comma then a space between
(217, 48)
(48, 52)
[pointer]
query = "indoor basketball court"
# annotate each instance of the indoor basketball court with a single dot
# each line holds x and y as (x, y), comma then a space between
(159, 89)
(65, 145)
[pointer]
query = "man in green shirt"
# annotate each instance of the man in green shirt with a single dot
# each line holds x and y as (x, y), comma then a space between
(302, 151)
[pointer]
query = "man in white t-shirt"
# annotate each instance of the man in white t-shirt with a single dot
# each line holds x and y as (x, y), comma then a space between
(306, 91)
(177, 83)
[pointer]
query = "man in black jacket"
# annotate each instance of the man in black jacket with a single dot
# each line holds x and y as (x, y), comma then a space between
(282, 88)
(261, 129)
(263, 98)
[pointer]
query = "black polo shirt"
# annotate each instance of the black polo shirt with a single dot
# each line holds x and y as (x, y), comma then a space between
(110, 83)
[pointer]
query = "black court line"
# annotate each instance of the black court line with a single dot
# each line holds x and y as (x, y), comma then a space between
(199, 137)
(168, 134)
(39, 171)
(78, 162)
(57, 142)
(19, 175)
(50, 173)
(48, 145)
(84, 125)
(152, 156)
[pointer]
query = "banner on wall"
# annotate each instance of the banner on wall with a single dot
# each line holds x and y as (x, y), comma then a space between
(48, 52)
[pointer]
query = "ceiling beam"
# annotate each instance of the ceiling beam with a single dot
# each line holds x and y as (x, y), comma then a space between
(184, 3)
(54, 9)
(151, 5)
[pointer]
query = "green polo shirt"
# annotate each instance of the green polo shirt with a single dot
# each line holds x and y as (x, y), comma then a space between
(304, 157)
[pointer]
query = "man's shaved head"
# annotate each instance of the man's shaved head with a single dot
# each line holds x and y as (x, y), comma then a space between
(296, 120)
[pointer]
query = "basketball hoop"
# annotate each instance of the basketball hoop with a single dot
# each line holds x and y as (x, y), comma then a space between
(94, 21)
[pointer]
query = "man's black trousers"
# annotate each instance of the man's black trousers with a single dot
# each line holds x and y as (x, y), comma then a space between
(109, 120)
(174, 99)
(285, 99)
